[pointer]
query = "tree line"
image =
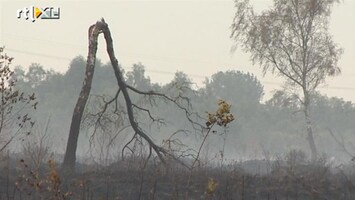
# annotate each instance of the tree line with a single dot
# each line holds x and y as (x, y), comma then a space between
(275, 125)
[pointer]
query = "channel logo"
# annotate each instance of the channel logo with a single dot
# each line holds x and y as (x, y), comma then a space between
(33, 13)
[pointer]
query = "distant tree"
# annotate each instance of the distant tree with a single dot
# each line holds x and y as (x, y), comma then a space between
(291, 40)
(181, 78)
(14, 105)
(19, 74)
(238, 87)
(35, 75)
(333, 112)
(282, 99)
(136, 78)
(76, 72)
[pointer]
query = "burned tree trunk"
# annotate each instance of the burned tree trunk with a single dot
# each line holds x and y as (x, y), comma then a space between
(70, 153)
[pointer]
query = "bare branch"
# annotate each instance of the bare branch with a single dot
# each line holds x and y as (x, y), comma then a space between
(127, 146)
(149, 114)
(174, 101)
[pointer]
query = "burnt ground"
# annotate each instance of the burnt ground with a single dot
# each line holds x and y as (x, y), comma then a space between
(255, 179)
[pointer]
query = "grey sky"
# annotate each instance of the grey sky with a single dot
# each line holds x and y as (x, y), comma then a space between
(166, 36)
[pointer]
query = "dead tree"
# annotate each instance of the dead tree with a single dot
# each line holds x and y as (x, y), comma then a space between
(70, 154)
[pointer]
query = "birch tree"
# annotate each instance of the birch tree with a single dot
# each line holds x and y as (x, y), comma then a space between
(291, 40)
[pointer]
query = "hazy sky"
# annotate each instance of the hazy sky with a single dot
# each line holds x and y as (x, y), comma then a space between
(166, 36)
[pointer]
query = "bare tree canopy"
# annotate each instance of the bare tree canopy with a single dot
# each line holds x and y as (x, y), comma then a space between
(291, 40)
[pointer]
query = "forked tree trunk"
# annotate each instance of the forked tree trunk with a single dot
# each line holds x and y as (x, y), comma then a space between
(70, 153)
(68, 165)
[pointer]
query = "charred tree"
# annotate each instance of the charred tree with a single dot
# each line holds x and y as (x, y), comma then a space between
(70, 152)
(68, 165)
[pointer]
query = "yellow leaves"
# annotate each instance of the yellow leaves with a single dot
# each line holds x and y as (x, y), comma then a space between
(212, 186)
(228, 118)
(224, 107)
(54, 177)
(222, 116)
(212, 118)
